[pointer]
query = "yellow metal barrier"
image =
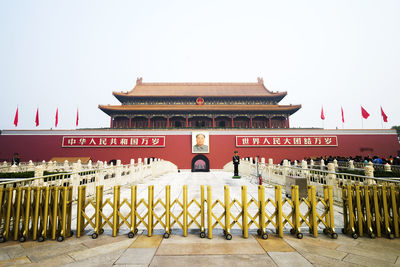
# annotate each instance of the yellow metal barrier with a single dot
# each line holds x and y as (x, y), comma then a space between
(35, 212)
(184, 213)
(41, 213)
(371, 210)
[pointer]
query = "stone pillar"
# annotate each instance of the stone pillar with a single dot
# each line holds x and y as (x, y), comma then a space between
(31, 166)
(311, 164)
(351, 164)
(304, 164)
(369, 171)
(270, 162)
(335, 163)
(322, 165)
(66, 165)
(331, 177)
(39, 171)
(295, 163)
(388, 168)
(89, 165)
(50, 166)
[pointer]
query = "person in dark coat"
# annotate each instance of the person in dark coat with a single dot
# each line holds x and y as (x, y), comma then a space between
(236, 162)
(15, 160)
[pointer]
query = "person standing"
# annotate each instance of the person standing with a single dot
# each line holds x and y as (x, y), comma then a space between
(15, 160)
(236, 162)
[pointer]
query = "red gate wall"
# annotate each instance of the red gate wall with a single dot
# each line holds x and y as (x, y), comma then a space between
(43, 145)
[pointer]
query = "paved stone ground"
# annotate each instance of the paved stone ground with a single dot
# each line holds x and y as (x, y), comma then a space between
(194, 251)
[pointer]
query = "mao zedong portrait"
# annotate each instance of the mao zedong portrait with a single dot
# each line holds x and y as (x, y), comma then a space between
(200, 147)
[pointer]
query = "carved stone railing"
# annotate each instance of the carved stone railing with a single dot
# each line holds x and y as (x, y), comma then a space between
(101, 174)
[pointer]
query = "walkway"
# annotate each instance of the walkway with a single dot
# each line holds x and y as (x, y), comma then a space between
(194, 251)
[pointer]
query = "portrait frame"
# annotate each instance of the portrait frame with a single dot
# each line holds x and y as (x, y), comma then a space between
(196, 148)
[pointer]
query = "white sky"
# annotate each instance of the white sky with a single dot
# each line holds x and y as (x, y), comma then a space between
(70, 54)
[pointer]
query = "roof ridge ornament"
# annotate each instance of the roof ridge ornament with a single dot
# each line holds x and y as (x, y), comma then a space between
(139, 81)
(260, 80)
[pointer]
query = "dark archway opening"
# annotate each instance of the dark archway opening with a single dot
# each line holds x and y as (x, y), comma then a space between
(200, 163)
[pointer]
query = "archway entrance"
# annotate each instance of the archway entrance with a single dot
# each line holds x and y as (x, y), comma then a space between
(200, 163)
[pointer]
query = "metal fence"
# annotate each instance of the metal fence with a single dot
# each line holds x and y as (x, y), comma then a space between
(43, 213)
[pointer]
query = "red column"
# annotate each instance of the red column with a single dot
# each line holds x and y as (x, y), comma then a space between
(167, 121)
(251, 122)
(288, 126)
(148, 122)
(213, 122)
(232, 122)
(187, 121)
(111, 122)
(130, 123)
(269, 123)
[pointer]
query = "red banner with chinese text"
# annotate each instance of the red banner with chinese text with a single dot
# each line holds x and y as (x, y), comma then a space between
(113, 141)
(265, 141)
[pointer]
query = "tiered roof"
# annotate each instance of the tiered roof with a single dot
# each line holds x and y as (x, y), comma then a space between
(204, 90)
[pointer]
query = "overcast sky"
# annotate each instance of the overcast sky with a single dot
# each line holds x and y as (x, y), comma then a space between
(74, 54)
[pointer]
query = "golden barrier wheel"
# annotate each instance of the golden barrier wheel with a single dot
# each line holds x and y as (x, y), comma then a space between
(354, 235)
(202, 234)
(372, 235)
(166, 235)
(334, 235)
(22, 239)
(60, 238)
(299, 235)
(228, 237)
(131, 234)
(2, 239)
(95, 235)
(40, 239)
(264, 236)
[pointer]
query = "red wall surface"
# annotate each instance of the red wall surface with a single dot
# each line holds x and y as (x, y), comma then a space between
(38, 147)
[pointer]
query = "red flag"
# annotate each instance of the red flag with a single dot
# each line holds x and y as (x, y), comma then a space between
(56, 118)
(342, 114)
(77, 117)
(364, 113)
(322, 113)
(16, 118)
(384, 115)
(37, 117)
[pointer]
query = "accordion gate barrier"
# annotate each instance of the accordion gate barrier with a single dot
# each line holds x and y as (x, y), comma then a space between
(371, 210)
(108, 213)
(41, 213)
(38, 213)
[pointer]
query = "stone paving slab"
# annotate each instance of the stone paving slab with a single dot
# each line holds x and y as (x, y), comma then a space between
(289, 259)
(274, 244)
(147, 242)
(137, 256)
(213, 260)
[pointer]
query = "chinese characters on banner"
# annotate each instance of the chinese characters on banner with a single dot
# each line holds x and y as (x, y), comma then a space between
(273, 141)
(113, 141)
